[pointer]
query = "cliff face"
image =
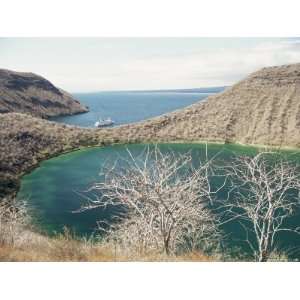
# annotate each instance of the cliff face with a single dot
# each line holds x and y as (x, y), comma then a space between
(32, 94)
(262, 109)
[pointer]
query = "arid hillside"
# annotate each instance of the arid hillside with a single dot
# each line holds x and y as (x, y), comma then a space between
(264, 109)
(27, 140)
(34, 95)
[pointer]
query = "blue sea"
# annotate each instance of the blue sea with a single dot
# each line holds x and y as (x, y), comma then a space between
(133, 106)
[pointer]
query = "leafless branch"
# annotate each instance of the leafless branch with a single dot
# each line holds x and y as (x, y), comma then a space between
(165, 201)
(265, 192)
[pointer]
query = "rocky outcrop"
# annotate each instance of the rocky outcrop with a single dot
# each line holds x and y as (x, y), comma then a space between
(34, 95)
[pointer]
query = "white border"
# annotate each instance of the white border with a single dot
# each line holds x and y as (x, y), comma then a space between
(151, 281)
(149, 18)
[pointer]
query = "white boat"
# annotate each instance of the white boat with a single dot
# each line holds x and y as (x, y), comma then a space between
(104, 123)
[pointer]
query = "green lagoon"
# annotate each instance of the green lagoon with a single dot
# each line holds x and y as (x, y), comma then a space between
(58, 187)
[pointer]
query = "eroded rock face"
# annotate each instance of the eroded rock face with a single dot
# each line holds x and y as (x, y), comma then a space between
(32, 94)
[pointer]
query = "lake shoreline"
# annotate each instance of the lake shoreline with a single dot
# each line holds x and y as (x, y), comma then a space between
(46, 184)
(48, 139)
(61, 184)
(199, 142)
(63, 139)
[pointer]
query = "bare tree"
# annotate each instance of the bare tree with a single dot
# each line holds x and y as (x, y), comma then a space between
(13, 220)
(164, 202)
(265, 192)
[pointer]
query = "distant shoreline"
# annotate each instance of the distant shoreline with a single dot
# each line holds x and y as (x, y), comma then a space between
(192, 90)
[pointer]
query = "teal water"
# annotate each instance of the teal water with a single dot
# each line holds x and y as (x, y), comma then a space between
(134, 106)
(58, 187)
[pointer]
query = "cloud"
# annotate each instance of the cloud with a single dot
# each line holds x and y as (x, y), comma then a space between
(209, 68)
(118, 64)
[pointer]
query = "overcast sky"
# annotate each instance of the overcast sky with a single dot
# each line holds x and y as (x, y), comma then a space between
(95, 64)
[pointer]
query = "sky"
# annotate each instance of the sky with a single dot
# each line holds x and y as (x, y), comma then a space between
(99, 64)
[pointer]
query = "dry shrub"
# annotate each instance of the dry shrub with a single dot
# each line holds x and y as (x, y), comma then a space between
(13, 221)
(165, 201)
(18, 242)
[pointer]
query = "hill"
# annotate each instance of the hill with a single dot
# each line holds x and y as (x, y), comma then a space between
(33, 94)
(27, 140)
(263, 109)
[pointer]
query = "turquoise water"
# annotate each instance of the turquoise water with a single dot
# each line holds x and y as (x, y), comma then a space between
(58, 187)
(128, 107)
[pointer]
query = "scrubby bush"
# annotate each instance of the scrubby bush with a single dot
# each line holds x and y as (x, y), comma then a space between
(13, 220)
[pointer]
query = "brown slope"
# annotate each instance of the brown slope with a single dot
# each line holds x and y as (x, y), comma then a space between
(264, 109)
(33, 94)
(27, 140)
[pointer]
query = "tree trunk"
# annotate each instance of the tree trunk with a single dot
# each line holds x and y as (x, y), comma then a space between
(166, 246)
(263, 256)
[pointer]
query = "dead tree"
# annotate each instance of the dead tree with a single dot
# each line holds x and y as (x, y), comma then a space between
(265, 192)
(13, 220)
(164, 200)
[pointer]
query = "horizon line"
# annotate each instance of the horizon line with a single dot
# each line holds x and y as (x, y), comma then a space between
(198, 89)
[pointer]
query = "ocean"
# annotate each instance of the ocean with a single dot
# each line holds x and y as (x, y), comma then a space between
(133, 106)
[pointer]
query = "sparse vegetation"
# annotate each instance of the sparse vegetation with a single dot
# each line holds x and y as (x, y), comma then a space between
(166, 213)
(265, 192)
(25, 141)
(13, 220)
(249, 112)
(20, 242)
(34, 95)
(163, 202)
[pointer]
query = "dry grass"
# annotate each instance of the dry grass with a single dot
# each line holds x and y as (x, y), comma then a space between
(19, 242)
(262, 109)
(57, 251)
(24, 142)
(64, 249)
(65, 253)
